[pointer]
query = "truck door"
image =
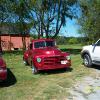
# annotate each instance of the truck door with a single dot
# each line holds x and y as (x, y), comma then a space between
(96, 51)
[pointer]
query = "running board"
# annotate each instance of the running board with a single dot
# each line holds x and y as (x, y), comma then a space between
(96, 62)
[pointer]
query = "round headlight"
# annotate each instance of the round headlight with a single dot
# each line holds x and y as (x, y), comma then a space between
(68, 57)
(39, 60)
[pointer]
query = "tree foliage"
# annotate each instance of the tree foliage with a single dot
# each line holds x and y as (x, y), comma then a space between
(46, 17)
(50, 15)
(4, 11)
(90, 19)
(4, 14)
(73, 41)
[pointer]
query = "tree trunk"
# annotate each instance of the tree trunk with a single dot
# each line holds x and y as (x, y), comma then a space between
(24, 43)
(41, 30)
(39, 34)
(57, 24)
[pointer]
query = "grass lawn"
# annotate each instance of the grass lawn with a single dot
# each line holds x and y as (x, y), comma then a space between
(73, 49)
(53, 85)
(72, 46)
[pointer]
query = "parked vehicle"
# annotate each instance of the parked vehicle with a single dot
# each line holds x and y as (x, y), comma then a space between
(43, 54)
(91, 54)
(3, 70)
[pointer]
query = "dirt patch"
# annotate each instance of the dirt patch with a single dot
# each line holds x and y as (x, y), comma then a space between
(86, 89)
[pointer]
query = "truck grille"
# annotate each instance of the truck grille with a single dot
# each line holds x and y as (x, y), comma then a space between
(53, 60)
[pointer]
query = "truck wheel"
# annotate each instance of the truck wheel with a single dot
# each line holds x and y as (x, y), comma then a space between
(87, 60)
(25, 62)
(34, 69)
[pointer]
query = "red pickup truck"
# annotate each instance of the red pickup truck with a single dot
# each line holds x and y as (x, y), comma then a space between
(3, 70)
(43, 54)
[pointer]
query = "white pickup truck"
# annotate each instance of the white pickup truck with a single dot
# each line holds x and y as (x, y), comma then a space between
(91, 54)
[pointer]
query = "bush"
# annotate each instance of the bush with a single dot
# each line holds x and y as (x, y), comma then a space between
(73, 41)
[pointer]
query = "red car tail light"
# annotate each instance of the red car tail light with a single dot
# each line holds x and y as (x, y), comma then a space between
(3, 69)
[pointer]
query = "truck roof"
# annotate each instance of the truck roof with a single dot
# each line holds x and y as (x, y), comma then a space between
(38, 40)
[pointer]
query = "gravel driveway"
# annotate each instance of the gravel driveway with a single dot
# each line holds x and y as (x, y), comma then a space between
(86, 89)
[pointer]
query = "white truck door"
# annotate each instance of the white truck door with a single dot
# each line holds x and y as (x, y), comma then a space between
(96, 51)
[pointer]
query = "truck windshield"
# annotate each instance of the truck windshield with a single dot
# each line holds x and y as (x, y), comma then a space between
(50, 43)
(44, 44)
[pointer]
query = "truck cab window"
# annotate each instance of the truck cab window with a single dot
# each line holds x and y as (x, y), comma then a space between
(98, 43)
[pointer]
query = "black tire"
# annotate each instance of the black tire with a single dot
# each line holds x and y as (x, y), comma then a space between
(87, 60)
(25, 62)
(34, 69)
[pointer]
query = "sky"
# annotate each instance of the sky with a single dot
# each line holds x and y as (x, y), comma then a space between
(71, 28)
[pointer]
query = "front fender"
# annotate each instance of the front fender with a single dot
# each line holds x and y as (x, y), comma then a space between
(85, 52)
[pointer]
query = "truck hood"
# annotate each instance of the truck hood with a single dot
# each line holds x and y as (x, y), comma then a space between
(87, 47)
(48, 51)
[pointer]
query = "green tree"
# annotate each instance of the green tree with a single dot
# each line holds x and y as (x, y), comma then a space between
(20, 10)
(45, 16)
(61, 40)
(73, 41)
(50, 15)
(4, 14)
(90, 19)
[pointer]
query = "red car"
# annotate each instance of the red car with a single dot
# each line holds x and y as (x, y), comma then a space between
(3, 70)
(43, 54)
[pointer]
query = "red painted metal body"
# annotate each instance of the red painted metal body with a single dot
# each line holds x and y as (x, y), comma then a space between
(3, 70)
(46, 55)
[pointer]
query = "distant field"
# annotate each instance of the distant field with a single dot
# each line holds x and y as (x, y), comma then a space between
(72, 46)
(72, 49)
(53, 85)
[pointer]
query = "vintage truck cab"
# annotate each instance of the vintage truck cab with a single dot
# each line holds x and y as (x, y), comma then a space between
(43, 54)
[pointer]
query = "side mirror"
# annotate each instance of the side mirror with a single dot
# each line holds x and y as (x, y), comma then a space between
(94, 44)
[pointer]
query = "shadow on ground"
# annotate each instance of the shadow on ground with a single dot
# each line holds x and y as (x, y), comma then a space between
(11, 79)
(71, 51)
(96, 67)
(57, 71)
(16, 52)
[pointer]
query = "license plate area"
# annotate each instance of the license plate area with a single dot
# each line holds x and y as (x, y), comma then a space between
(64, 62)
